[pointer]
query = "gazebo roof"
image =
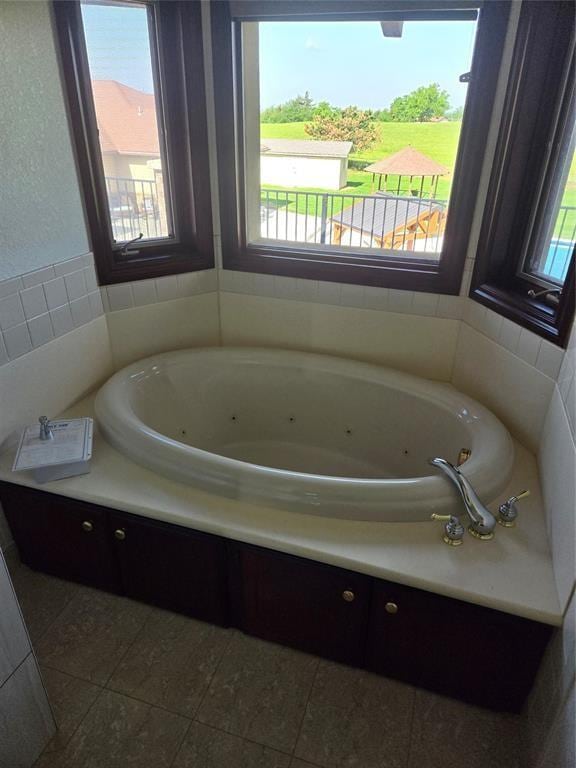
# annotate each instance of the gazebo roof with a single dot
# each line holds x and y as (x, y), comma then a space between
(408, 162)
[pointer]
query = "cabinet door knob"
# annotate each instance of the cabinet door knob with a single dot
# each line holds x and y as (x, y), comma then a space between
(391, 608)
(87, 526)
(348, 595)
(120, 534)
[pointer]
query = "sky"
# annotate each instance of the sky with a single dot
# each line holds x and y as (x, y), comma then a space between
(340, 62)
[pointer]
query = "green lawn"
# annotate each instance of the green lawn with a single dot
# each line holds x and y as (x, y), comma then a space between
(436, 140)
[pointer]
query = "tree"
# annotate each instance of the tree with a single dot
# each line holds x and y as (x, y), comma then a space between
(455, 115)
(297, 110)
(350, 124)
(421, 105)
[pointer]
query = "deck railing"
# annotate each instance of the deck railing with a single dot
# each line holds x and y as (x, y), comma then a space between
(366, 221)
(134, 208)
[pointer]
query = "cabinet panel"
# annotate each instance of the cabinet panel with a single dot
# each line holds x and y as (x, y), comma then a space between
(313, 607)
(61, 536)
(477, 654)
(170, 566)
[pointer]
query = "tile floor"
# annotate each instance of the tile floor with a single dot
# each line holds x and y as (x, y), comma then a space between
(136, 686)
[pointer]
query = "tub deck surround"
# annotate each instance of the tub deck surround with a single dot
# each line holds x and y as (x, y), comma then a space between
(512, 573)
(303, 432)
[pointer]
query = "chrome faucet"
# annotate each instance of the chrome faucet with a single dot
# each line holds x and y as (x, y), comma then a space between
(45, 429)
(483, 521)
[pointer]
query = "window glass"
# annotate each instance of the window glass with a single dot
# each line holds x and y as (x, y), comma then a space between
(352, 131)
(552, 259)
(125, 100)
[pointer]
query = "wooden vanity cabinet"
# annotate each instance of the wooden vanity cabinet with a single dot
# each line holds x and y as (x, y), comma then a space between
(170, 566)
(449, 646)
(306, 605)
(477, 654)
(61, 536)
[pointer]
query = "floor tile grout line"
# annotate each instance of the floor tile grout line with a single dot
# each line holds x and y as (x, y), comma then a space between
(130, 645)
(82, 719)
(233, 633)
(181, 744)
(243, 738)
(300, 727)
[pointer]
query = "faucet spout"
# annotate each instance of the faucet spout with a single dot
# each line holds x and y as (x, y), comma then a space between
(483, 521)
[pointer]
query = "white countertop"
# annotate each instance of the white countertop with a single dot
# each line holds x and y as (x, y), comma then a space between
(511, 573)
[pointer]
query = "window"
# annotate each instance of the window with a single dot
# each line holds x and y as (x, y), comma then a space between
(379, 193)
(133, 73)
(525, 262)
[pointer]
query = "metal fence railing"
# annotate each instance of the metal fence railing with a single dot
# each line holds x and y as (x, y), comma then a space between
(380, 220)
(134, 208)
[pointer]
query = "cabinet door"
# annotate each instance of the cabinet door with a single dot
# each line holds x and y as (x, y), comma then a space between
(171, 567)
(61, 536)
(313, 607)
(477, 654)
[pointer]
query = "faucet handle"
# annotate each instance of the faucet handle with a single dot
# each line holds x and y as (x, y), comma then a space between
(453, 530)
(507, 512)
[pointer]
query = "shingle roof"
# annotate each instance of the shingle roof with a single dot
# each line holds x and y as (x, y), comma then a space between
(305, 147)
(408, 162)
(382, 213)
(126, 119)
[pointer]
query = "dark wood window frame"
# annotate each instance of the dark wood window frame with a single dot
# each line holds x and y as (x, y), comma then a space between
(530, 126)
(346, 266)
(179, 71)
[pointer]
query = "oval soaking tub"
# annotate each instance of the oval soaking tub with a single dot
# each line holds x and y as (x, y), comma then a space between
(303, 432)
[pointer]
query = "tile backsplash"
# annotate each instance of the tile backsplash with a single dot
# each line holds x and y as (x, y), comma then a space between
(42, 305)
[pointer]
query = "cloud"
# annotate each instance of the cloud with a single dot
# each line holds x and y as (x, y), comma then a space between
(312, 44)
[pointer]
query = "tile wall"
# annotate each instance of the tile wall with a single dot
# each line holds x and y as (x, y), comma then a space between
(29, 724)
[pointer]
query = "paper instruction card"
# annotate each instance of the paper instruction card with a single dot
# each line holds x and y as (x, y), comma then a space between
(71, 441)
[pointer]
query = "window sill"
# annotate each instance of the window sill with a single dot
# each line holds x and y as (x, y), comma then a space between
(402, 274)
(115, 270)
(545, 321)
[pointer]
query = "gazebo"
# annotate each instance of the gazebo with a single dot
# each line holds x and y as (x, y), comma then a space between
(408, 162)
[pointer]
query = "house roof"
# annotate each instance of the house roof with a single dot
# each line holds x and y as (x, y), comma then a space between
(381, 214)
(305, 148)
(408, 162)
(126, 119)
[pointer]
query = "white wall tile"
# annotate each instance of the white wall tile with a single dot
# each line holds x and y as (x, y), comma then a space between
(38, 277)
(352, 295)
(30, 725)
(450, 306)
(400, 301)
(177, 324)
(14, 643)
(167, 288)
(557, 460)
(492, 324)
(517, 393)
(96, 305)
(11, 311)
(61, 320)
(33, 301)
(81, 311)
(144, 292)
(425, 304)
(17, 340)
(71, 265)
(41, 331)
(8, 287)
(509, 336)
(549, 359)
(55, 292)
(528, 346)
(120, 297)
(375, 297)
(329, 293)
(90, 278)
(75, 285)
(423, 346)
(3, 353)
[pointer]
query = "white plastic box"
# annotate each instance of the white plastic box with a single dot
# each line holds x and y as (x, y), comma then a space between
(67, 454)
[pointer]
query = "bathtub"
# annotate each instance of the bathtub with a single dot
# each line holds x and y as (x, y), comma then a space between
(304, 432)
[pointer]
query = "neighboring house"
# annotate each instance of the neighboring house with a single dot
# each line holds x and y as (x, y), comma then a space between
(302, 163)
(128, 130)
